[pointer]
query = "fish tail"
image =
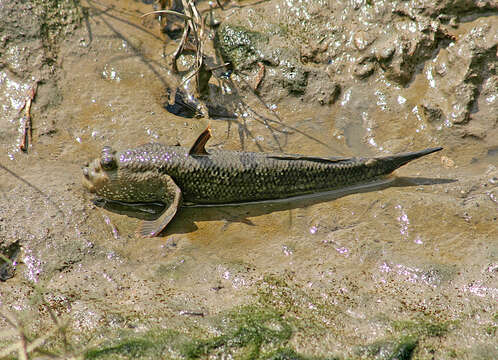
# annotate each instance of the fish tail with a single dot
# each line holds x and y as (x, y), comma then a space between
(395, 161)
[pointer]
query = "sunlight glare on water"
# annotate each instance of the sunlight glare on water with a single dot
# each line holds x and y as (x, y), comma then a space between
(33, 264)
(403, 221)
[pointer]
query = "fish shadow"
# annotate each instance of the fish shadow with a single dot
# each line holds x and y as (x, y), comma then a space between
(184, 221)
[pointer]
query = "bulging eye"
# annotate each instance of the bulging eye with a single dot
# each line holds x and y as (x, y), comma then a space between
(108, 161)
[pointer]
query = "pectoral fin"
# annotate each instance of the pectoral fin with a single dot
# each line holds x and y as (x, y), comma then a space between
(172, 199)
(199, 145)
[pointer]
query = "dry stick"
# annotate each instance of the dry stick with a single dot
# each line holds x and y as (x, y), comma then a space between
(200, 49)
(164, 3)
(259, 76)
(193, 24)
(218, 66)
(219, 4)
(171, 12)
(183, 40)
(27, 131)
(181, 45)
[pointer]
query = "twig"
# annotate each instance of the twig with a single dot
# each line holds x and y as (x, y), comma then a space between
(181, 45)
(218, 67)
(27, 131)
(192, 313)
(171, 12)
(259, 76)
(219, 4)
(194, 24)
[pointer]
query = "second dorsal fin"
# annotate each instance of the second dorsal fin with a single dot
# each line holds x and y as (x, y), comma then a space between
(307, 158)
(198, 149)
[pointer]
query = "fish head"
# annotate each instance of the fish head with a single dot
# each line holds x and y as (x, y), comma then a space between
(112, 178)
(101, 175)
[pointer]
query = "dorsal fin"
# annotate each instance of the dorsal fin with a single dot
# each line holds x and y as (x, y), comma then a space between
(308, 158)
(198, 149)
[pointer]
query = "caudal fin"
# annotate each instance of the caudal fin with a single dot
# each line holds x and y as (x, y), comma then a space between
(395, 161)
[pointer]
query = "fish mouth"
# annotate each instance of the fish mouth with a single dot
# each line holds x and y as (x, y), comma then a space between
(93, 176)
(87, 183)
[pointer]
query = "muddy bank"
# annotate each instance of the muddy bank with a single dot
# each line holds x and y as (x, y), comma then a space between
(405, 271)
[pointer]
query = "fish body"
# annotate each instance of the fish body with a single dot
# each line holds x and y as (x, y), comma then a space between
(171, 174)
(236, 176)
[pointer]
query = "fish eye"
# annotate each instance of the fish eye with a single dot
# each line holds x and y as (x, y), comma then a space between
(108, 162)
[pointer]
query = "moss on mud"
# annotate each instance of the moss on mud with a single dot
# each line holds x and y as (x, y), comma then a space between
(247, 332)
(305, 310)
(148, 345)
(423, 327)
(390, 349)
(57, 18)
(289, 354)
(239, 45)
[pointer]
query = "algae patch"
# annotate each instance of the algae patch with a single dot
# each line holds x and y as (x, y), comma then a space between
(247, 332)
(239, 45)
(149, 345)
(57, 19)
(424, 327)
(400, 349)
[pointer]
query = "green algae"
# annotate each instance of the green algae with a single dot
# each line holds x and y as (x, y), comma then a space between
(249, 329)
(395, 349)
(408, 335)
(151, 344)
(491, 329)
(132, 348)
(404, 350)
(57, 18)
(306, 311)
(239, 45)
(247, 332)
(244, 48)
(289, 354)
(424, 328)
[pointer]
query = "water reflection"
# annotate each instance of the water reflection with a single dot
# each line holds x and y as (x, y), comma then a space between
(240, 212)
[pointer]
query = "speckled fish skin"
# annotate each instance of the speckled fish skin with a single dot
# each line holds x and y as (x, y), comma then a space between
(233, 176)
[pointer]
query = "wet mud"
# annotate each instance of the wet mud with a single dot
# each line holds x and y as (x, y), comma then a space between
(404, 270)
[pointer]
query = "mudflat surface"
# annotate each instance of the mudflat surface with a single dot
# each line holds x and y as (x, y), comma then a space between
(401, 271)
